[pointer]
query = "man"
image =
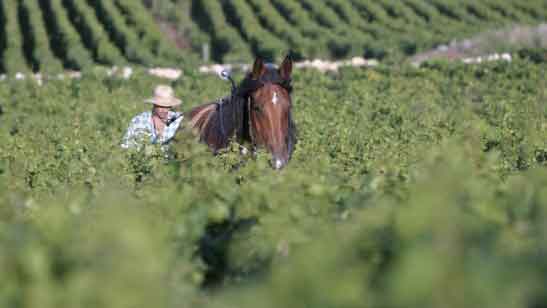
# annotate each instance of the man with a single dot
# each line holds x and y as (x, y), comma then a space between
(157, 126)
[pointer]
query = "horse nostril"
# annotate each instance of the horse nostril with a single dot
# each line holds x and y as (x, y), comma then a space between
(278, 164)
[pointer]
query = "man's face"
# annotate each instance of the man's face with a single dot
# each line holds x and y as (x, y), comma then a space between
(161, 112)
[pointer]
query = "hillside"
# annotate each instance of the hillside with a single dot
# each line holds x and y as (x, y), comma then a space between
(51, 35)
(238, 29)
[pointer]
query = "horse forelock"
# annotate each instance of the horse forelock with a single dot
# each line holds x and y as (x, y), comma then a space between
(271, 75)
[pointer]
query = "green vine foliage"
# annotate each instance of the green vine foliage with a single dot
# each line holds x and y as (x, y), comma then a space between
(48, 36)
(409, 187)
(387, 29)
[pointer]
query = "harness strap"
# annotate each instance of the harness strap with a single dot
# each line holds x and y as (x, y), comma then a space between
(251, 135)
(219, 104)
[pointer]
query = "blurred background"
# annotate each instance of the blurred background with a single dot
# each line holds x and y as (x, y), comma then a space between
(49, 35)
(420, 181)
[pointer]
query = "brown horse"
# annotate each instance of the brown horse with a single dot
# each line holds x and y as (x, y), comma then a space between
(257, 112)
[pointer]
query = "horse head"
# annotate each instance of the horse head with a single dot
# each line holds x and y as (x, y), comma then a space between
(257, 111)
(268, 92)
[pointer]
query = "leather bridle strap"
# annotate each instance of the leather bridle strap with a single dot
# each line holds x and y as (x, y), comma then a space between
(251, 135)
(219, 104)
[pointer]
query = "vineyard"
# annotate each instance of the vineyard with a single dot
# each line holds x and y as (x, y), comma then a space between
(409, 187)
(76, 34)
(67, 34)
(338, 28)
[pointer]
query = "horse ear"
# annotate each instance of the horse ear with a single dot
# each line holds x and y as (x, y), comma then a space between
(285, 69)
(258, 68)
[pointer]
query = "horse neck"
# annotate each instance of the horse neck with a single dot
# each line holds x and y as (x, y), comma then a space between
(233, 115)
(244, 133)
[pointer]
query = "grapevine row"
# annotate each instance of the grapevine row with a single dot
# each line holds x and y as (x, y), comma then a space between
(434, 17)
(346, 41)
(482, 11)
(414, 33)
(507, 11)
(303, 21)
(3, 39)
(13, 60)
(94, 35)
(454, 10)
(374, 13)
(228, 46)
(347, 12)
(188, 34)
(326, 41)
(75, 34)
(300, 46)
(377, 30)
(397, 10)
(41, 50)
(51, 35)
(185, 24)
(121, 33)
(299, 18)
(262, 41)
(397, 30)
(141, 21)
(530, 7)
(428, 12)
(64, 39)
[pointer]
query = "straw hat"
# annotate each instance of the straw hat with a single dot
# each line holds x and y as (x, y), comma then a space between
(164, 96)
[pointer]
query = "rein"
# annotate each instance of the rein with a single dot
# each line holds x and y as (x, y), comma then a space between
(251, 135)
(219, 104)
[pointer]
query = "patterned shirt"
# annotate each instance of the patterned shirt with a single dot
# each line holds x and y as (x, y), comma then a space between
(142, 129)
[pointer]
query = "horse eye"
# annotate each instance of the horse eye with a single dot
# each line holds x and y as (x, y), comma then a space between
(257, 108)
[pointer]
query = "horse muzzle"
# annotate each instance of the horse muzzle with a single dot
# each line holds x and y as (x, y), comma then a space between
(278, 164)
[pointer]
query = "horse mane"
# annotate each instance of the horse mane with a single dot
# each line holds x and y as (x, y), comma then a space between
(218, 122)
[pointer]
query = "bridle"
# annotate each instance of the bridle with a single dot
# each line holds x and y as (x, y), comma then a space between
(219, 105)
(253, 86)
(243, 91)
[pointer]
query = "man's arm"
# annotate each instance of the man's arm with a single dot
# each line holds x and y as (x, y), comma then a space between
(133, 134)
(129, 139)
